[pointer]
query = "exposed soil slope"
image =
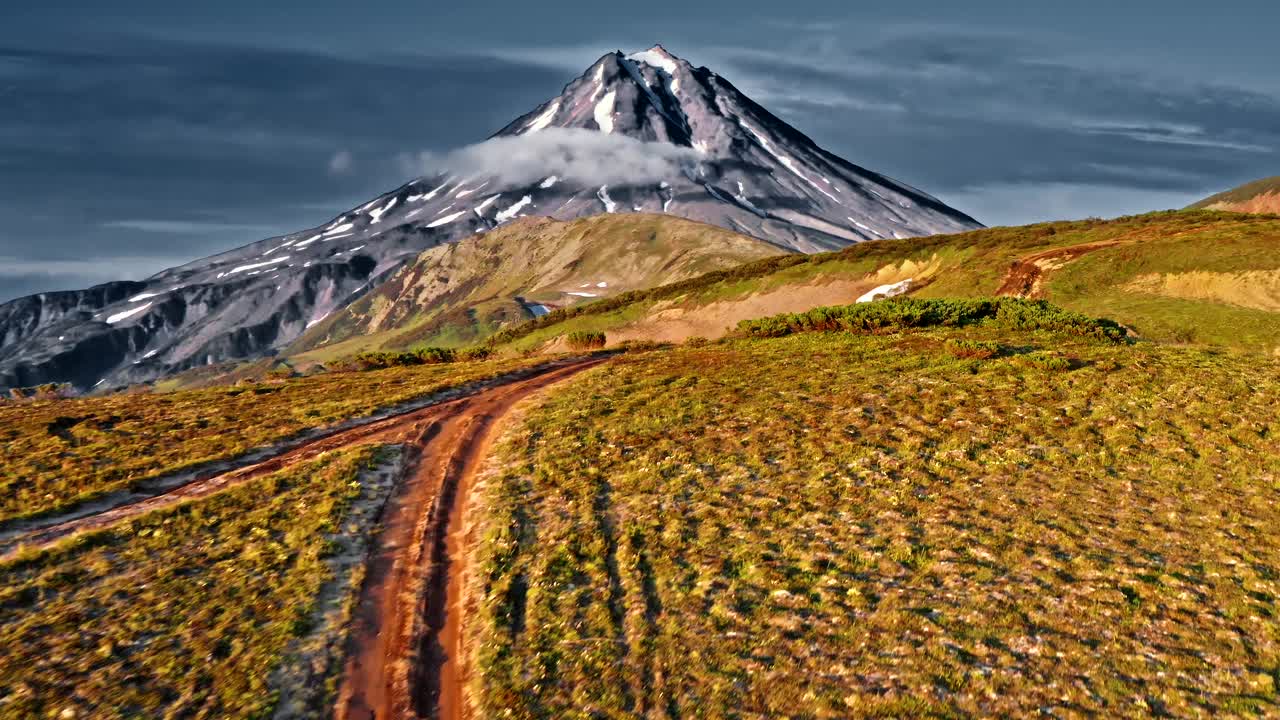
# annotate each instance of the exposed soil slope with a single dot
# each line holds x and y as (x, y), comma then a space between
(1259, 196)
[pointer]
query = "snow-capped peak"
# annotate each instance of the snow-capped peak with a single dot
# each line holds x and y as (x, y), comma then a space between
(658, 57)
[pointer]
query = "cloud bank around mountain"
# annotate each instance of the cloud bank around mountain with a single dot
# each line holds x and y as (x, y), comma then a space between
(580, 156)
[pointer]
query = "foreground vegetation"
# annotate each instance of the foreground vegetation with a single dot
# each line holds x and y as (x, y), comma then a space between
(954, 522)
(59, 453)
(184, 612)
(909, 313)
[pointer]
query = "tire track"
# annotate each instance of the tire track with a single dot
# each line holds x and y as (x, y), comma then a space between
(402, 427)
(405, 642)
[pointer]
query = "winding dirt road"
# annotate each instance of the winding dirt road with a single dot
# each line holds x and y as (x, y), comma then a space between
(404, 646)
(403, 651)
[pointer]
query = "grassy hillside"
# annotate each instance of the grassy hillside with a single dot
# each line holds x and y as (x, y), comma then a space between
(952, 522)
(459, 293)
(59, 453)
(984, 508)
(186, 612)
(1181, 277)
(1259, 196)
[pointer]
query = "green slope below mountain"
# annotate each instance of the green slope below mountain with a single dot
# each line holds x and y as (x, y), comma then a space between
(1259, 196)
(460, 293)
(1186, 277)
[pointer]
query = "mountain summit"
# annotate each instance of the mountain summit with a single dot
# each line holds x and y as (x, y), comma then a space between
(755, 173)
(645, 132)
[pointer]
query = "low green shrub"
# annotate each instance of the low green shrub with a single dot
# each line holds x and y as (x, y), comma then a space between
(973, 349)
(635, 346)
(585, 340)
(1044, 361)
(901, 314)
(479, 352)
(421, 356)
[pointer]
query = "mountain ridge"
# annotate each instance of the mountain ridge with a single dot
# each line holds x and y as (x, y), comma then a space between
(456, 294)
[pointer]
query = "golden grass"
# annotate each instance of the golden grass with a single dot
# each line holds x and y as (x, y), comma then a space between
(59, 453)
(184, 612)
(829, 526)
(1256, 289)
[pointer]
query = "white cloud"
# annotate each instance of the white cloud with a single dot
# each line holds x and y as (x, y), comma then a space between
(585, 157)
(96, 269)
(1170, 134)
(1025, 203)
(341, 162)
(185, 227)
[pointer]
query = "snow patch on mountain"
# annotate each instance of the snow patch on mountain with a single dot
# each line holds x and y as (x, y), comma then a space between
(511, 212)
(253, 266)
(656, 57)
(542, 121)
(604, 111)
(603, 194)
(446, 219)
(376, 215)
(113, 319)
(885, 291)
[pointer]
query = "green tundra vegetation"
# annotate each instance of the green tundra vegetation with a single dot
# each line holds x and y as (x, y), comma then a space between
(60, 453)
(974, 520)
(1191, 277)
(908, 313)
(966, 507)
(183, 612)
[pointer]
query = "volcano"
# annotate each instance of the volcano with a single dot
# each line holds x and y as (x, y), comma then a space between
(701, 149)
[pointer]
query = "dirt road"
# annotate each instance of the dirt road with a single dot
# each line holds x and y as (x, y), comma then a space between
(402, 657)
(391, 429)
(403, 650)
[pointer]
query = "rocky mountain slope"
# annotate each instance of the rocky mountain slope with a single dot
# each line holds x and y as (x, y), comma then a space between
(671, 139)
(1259, 196)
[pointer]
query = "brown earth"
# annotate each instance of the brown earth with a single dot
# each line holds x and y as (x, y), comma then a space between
(671, 322)
(1267, 202)
(1025, 277)
(676, 324)
(405, 641)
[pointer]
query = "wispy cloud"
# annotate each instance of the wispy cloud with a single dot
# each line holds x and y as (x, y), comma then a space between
(582, 156)
(341, 162)
(185, 227)
(1172, 135)
(1021, 203)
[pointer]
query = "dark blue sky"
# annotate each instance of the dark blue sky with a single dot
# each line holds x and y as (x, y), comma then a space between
(139, 134)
